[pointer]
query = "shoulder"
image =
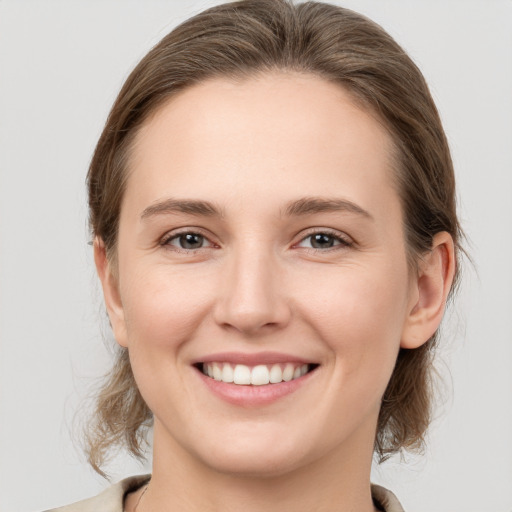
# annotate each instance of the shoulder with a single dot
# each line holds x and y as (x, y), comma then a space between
(110, 500)
(385, 500)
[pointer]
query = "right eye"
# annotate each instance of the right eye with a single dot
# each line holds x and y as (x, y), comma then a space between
(187, 241)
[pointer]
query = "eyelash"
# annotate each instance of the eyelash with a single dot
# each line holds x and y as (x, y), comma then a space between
(342, 241)
(165, 242)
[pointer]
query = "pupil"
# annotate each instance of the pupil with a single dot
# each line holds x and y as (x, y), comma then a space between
(191, 241)
(322, 240)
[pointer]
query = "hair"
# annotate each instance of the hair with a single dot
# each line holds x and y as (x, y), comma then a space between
(242, 39)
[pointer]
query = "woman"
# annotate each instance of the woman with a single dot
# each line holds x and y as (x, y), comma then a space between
(273, 208)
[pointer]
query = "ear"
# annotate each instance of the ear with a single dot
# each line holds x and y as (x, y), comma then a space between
(110, 285)
(430, 292)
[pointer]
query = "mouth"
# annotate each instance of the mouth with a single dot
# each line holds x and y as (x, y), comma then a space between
(255, 375)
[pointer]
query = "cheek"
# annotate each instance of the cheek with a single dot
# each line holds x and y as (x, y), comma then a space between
(359, 312)
(163, 312)
(163, 306)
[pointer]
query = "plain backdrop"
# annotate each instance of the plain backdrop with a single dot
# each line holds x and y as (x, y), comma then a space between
(61, 65)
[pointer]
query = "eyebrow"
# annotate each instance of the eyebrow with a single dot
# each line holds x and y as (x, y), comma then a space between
(296, 208)
(188, 206)
(309, 205)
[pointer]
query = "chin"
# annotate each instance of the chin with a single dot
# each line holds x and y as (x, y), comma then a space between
(257, 454)
(253, 465)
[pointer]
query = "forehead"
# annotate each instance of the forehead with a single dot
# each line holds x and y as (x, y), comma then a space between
(282, 132)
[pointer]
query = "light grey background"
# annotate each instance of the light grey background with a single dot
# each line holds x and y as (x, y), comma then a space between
(61, 65)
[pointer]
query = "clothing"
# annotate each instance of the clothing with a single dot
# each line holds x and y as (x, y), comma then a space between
(111, 500)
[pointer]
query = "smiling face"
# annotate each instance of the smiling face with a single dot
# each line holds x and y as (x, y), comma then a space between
(260, 228)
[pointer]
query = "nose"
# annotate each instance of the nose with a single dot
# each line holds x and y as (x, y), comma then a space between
(252, 300)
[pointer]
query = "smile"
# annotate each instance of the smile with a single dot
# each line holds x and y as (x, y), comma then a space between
(258, 375)
(253, 380)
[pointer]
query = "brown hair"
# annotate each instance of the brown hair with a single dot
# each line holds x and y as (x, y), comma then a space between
(252, 36)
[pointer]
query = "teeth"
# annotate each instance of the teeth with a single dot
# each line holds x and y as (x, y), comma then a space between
(276, 374)
(217, 372)
(242, 374)
(227, 373)
(259, 375)
(288, 372)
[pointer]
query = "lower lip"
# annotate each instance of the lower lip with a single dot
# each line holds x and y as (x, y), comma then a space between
(251, 396)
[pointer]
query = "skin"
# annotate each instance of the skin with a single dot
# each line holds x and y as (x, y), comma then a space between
(257, 284)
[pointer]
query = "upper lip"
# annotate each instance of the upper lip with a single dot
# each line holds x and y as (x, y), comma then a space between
(252, 359)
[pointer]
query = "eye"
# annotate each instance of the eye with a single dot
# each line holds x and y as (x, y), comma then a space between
(188, 241)
(323, 240)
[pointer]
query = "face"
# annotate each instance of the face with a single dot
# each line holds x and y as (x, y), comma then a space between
(261, 237)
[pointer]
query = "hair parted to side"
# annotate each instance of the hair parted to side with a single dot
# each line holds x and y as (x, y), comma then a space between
(241, 39)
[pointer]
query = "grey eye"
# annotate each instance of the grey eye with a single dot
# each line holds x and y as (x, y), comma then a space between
(322, 240)
(188, 241)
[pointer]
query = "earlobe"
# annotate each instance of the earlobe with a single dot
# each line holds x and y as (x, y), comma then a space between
(432, 286)
(111, 295)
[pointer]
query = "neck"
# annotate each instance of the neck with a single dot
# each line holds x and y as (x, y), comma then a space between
(338, 480)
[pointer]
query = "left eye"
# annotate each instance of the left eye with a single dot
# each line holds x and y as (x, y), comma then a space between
(322, 241)
(188, 241)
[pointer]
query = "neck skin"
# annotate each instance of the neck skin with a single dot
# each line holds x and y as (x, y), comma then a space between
(338, 481)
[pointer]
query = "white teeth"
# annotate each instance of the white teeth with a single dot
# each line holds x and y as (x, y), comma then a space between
(217, 372)
(258, 375)
(276, 374)
(288, 372)
(227, 373)
(242, 374)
